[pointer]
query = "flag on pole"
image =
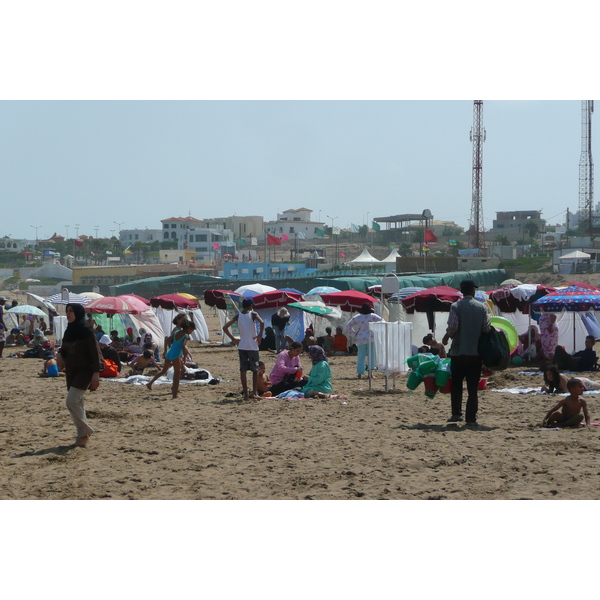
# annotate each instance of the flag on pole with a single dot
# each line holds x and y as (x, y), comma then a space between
(241, 243)
(336, 230)
(451, 242)
(430, 236)
(215, 245)
(375, 226)
(353, 228)
(273, 240)
(285, 237)
(78, 242)
(319, 232)
(301, 235)
(342, 254)
(425, 248)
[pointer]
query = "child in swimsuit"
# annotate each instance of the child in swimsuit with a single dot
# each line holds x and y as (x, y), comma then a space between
(174, 354)
(570, 408)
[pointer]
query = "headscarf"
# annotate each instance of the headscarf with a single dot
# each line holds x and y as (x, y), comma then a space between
(366, 309)
(78, 329)
(317, 354)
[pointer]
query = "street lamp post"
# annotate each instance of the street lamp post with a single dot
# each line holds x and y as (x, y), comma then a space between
(36, 234)
(119, 224)
(332, 242)
(96, 227)
(67, 231)
(77, 230)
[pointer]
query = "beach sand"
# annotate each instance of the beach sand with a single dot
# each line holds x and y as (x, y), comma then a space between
(211, 444)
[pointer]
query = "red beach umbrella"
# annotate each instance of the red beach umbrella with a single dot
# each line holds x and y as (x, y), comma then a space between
(112, 305)
(348, 300)
(275, 299)
(172, 301)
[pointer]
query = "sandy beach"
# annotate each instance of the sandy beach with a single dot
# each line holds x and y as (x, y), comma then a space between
(210, 444)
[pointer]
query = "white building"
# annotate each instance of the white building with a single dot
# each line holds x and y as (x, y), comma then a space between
(131, 236)
(242, 227)
(293, 222)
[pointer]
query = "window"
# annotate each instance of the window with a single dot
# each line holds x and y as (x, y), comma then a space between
(166, 235)
(291, 230)
(173, 225)
(173, 235)
(137, 237)
(165, 226)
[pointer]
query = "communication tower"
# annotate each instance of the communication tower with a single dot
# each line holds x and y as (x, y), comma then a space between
(586, 169)
(476, 230)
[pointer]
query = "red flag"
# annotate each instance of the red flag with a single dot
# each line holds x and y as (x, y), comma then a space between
(273, 240)
(430, 236)
(285, 237)
(215, 245)
(78, 242)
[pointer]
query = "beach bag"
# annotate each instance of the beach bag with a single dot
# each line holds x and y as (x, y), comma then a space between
(494, 349)
(110, 368)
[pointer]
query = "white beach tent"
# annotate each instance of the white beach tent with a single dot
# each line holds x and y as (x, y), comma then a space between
(391, 257)
(365, 258)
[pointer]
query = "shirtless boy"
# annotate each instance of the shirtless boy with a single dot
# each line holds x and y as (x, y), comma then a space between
(142, 361)
(571, 405)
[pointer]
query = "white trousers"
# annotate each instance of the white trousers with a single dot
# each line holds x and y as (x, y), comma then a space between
(77, 410)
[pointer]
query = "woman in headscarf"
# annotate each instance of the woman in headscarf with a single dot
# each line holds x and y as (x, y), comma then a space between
(319, 378)
(80, 357)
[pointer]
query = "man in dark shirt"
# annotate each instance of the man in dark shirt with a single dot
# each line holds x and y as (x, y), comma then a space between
(584, 360)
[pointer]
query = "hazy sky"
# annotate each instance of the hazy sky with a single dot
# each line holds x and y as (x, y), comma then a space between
(92, 163)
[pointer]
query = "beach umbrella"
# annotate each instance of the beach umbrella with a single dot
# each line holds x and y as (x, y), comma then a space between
(510, 282)
(348, 300)
(291, 290)
(136, 301)
(248, 291)
(91, 295)
(430, 301)
(218, 298)
(188, 296)
(438, 298)
(73, 299)
(313, 307)
(275, 299)
(321, 289)
(518, 297)
(138, 297)
(573, 299)
(27, 309)
(173, 301)
(43, 302)
(112, 305)
(580, 284)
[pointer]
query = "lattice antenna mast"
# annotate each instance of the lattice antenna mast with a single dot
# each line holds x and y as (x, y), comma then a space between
(476, 233)
(586, 168)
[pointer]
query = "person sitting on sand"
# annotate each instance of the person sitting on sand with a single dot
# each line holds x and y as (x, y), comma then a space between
(15, 338)
(319, 378)
(264, 384)
(584, 360)
(109, 352)
(555, 381)
(327, 342)
(430, 341)
(2, 338)
(340, 343)
(309, 339)
(570, 407)
(50, 368)
(174, 355)
(286, 373)
(144, 360)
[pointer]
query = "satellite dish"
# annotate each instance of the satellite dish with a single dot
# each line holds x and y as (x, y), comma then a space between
(427, 214)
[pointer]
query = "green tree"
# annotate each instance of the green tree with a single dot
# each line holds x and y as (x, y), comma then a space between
(502, 238)
(405, 249)
(531, 228)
